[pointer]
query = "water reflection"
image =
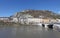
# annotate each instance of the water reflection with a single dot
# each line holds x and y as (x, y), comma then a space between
(27, 32)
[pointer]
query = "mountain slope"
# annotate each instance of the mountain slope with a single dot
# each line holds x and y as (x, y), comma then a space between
(37, 13)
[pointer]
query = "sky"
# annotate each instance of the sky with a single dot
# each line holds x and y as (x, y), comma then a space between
(10, 7)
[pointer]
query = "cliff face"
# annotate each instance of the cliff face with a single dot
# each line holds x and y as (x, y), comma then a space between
(37, 13)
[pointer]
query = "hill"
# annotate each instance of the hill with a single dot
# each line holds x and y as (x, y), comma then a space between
(37, 13)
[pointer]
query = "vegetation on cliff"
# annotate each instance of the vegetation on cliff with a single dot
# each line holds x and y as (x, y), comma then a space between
(37, 13)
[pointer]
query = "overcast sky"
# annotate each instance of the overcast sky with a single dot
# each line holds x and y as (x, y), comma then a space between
(9, 7)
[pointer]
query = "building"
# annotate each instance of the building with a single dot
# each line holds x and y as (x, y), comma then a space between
(33, 20)
(48, 20)
(4, 19)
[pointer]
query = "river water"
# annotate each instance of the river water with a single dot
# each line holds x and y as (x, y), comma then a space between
(19, 31)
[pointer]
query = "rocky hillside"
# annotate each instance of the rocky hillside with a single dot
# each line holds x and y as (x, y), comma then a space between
(37, 13)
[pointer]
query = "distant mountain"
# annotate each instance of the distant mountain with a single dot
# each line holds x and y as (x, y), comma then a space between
(37, 13)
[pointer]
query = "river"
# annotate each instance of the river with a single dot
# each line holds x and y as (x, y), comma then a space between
(21, 31)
